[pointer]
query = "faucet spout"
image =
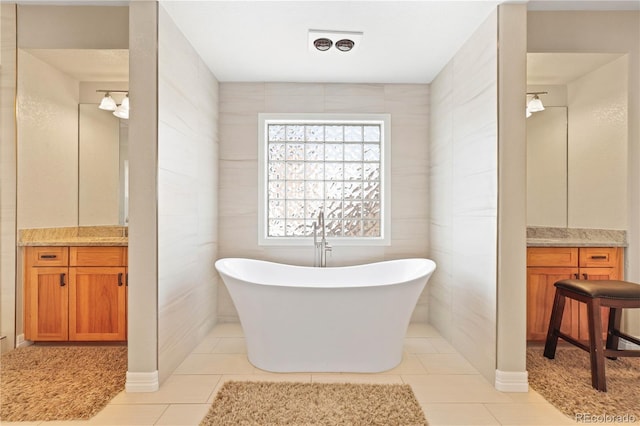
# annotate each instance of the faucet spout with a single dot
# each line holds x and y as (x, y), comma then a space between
(322, 246)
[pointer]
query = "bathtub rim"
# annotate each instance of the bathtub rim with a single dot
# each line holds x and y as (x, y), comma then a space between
(426, 270)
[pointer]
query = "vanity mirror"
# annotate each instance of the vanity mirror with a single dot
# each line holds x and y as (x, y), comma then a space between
(72, 156)
(103, 167)
(577, 146)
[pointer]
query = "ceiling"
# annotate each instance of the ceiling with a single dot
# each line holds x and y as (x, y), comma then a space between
(562, 68)
(87, 64)
(402, 41)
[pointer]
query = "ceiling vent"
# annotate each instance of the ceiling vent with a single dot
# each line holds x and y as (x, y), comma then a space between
(333, 42)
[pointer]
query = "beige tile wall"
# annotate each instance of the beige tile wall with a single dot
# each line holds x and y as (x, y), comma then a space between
(463, 182)
(187, 196)
(240, 104)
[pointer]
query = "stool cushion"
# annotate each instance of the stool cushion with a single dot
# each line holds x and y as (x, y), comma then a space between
(607, 289)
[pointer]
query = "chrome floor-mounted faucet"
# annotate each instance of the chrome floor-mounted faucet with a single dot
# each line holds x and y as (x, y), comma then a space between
(320, 247)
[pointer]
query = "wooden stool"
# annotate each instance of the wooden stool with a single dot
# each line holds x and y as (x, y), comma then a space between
(616, 295)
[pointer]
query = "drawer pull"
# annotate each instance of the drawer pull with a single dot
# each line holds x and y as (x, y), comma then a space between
(585, 276)
(599, 257)
(120, 279)
(576, 276)
(48, 256)
(62, 283)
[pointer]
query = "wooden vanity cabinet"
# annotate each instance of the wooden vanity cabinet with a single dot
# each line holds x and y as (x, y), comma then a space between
(546, 265)
(82, 298)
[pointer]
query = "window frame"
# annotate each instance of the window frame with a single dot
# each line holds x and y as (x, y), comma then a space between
(384, 120)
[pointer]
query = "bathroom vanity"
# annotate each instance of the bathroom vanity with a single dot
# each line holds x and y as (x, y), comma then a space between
(75, 287)
(568, 254)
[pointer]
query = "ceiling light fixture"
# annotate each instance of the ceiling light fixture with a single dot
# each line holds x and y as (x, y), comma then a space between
(535, 104)
(344, 45)
(322, 41)
(109, 104)
(323, 44)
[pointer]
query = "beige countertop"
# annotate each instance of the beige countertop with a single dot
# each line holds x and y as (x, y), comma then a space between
(74, 236)
(575, 237)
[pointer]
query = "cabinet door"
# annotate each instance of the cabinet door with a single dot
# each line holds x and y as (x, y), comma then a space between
(594, 274)
(540, 295)
(97, 303)
(46, 297)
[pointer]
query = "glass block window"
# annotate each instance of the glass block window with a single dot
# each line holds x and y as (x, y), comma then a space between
(335, 166)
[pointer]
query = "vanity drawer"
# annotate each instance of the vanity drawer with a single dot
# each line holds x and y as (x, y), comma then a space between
(48, 256)
(552, 256)
(98, 256)
(599, 257)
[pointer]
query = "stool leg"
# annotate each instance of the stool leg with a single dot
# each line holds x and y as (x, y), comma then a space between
(615, 315)
(596, 345)
(554, 325)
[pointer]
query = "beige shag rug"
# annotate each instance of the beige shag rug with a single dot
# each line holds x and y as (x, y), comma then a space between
(287, 403)
(565, 382)
(60, 382)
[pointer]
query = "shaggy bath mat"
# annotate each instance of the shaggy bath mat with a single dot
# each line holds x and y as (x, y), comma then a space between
(565, 382)
(60, 382)
(285, 403)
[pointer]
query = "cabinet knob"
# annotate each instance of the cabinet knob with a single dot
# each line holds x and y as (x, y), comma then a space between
(576, 276)
(585, 276)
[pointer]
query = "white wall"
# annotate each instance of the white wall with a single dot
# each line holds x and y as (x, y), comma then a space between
(142, 371)
(7, 177)
(511, 374)
(240, 104)
(98, 171)
(597, 153)
(547, 167)
(463, 179)
(187, 197)
(47, 117)
(77, 27)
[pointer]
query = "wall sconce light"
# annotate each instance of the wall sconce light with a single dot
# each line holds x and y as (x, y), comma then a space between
(109, 104)
(535, 104)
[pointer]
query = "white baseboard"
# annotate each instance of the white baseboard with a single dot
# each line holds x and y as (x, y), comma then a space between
(21, 343)
(628, 346)
(142, 382)
(512, 381)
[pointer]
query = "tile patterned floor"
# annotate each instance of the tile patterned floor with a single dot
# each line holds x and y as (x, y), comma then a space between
(449, 389)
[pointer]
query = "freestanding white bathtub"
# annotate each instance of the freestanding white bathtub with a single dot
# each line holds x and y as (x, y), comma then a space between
(340, 319)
